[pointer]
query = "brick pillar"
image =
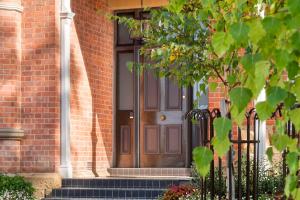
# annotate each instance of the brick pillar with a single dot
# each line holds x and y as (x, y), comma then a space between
(10, 85)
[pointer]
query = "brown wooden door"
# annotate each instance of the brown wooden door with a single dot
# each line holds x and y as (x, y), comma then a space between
(163, 130)
(150, 128)
(125, 124)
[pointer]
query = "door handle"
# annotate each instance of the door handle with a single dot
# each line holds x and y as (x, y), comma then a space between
(163, 117)
(131, 115)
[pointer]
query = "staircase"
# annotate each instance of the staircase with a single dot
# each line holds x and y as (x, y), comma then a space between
(114, 188)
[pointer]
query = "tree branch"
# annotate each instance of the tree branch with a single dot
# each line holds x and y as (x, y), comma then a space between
(220, 77)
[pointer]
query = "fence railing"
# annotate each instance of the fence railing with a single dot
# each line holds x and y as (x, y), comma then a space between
(240, 169)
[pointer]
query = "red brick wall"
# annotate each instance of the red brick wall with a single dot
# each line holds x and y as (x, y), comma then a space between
(10, 64)
(91, 83)
(9, 156)
(40, 86)
(215, 97)
(10, 86)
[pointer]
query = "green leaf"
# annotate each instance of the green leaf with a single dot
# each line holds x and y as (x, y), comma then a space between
(270, 154)
(249, 61)
(264, 110)
(257, 31)
(261, 73)
(221, 141)
(208, 3)
(237, 116)
(176, 5)
(293, 22)
(293, 69)
(222, 126)
(130, 66)
(276, 95)
(291, 182)
(280, 126)
(239, 32)
(295, 40)
(280, 141)
(231, 79)
(202, 157)
(221, 43)
(212, 86)
(295, 118)
(296, 88)
(290, 100)
(282, 58)
(292, 161)
(240, 96)
(272, 25)
(257, 79)
(221, 146)
(296, 194)
(294, 6)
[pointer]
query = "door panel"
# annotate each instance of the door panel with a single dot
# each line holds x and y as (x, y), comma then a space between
(151, 88)
(173, 95)
(168, 119)
(173, 139)
(125, 140)
(124, 113)
(151, 139)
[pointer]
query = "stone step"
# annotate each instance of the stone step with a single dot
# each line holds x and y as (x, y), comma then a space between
(113, 193)
(123, 183)
(115, 188)
(149, 172)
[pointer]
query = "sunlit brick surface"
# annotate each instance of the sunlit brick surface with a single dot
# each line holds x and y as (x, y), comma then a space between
(91, 95)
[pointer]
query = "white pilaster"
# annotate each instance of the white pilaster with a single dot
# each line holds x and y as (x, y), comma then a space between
(261, 128)
(66, 17)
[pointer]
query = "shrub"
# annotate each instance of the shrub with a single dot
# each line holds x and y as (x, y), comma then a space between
(270, 180)
(15, 188)
(177, 192)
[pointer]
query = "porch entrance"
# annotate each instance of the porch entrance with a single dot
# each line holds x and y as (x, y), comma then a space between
(151, 131)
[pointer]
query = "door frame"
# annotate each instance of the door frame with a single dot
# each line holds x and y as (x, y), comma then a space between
(186, 124)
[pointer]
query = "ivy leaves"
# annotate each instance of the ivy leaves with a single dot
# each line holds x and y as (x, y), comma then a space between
(221, 141)
(295, 118)
(221, 43)
(240, 97)
(294, 6)
(239, 32)
(202, 157)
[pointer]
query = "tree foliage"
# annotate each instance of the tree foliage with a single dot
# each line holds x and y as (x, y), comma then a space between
(249, 45)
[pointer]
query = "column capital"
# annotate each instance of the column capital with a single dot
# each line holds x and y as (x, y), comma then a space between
(11, 6)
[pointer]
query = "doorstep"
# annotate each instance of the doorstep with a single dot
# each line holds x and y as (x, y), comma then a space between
(150, 172)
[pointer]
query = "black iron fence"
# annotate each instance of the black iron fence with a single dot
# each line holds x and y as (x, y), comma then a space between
(236, 176)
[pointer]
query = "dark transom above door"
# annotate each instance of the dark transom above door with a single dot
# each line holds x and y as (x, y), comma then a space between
(150, 126)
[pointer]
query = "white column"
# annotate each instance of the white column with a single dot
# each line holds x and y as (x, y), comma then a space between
(66, 17)
(261, 128)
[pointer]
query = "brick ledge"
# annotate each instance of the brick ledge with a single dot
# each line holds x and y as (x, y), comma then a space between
(11, 7)
(11, 134)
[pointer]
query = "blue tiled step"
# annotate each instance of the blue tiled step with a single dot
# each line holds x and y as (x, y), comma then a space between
(122, 183)
(114, 188)
(107, 193)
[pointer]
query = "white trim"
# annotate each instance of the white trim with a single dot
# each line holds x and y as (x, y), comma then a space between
(261, 128)
(66, 17)
(11, 7)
